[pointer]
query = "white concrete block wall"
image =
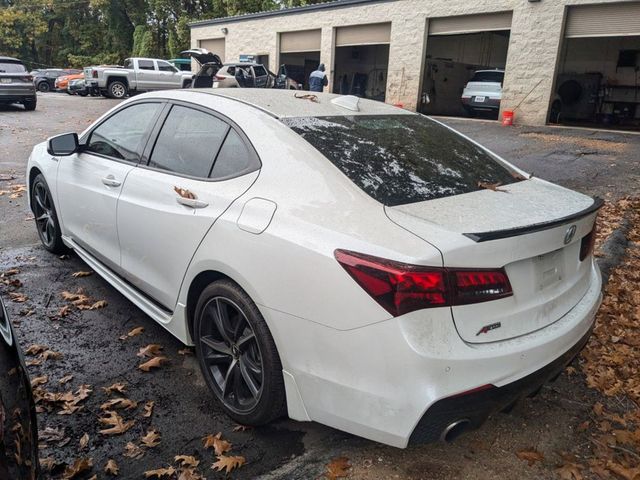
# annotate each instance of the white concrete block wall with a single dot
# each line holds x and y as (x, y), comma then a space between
(535, 42)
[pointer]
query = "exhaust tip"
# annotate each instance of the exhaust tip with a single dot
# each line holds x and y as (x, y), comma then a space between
(455, 429)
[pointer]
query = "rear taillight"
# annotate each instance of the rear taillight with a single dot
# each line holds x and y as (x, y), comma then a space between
(27, 78)
(94, 73)
(402, 288)
(587, 243)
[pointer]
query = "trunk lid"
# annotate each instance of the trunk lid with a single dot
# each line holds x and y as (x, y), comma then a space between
(202, 56)
(533, 229)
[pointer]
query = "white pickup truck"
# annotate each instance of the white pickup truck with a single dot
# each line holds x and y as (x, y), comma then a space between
(136, 76)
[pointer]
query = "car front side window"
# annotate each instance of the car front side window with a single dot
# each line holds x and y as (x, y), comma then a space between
(121, 136)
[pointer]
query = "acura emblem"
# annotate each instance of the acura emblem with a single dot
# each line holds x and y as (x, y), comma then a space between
(571, 231)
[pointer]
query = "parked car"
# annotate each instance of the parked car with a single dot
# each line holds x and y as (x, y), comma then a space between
(308, 250)
(182, 64)
(45, 80)
(78, 87)
(214, 74)
(16, 84)
(62, 82)
(18, 424)
(483, 92)
(136, 76)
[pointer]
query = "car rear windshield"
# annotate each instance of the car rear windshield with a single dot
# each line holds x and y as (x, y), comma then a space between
(12, 67)
(493, 77)
(401, 159)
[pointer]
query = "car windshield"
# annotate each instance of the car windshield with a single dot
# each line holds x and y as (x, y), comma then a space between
(493, 77)
(12, 67)
(401, 159)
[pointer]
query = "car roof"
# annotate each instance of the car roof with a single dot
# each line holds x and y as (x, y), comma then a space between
(287, 103)
(10, 59)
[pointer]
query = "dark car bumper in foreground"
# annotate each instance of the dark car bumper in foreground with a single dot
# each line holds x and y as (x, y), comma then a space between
(489, 103)
(449, 417)
(16, 95)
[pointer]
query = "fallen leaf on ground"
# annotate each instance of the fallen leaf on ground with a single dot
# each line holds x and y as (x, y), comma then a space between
(93, 306)
(570, 471)
(79, 466)
(65, 379)
(530, 456)
(241, 428)
(50, 354)
(81, 274)
(64, 311)
(119, 403)
(151, 350)
(84, 441)
(216, 442)
(186, 460)
(131, 450)
(338, 468)
(185, 351)
(132, 333)
(47, 464)
(491, 186)
(111, 468)
(116, 422)
(155, 362)
(148, 409)
(116, 387)
(228, 463)
(39, 381)
(18, 297)
(151, 439)
(35, 349)
(160, 472)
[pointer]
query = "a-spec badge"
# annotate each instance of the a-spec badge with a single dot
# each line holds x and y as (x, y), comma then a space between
(488, 328)
(568, 236)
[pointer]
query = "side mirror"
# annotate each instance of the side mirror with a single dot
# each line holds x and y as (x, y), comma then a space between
(65, 144)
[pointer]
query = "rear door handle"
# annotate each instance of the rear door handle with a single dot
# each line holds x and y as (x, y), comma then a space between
(110, 181)
(191, 202)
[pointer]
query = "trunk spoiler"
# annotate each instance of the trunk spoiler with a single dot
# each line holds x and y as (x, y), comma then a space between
(536, 227)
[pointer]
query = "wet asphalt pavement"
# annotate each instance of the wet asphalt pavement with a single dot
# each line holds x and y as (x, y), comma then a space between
(596, 163)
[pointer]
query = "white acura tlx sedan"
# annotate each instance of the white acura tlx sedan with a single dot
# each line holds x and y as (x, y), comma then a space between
(331, 259)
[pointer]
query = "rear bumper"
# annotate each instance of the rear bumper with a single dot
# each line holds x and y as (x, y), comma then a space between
(17, 95)
(396, 381)
(488, 104)
(475, 407)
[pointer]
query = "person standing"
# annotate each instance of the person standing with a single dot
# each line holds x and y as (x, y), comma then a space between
(318, 79)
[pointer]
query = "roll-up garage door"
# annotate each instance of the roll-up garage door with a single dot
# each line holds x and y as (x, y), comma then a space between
(301, 41)
(372, 34)
(470, 23)
(214, 45)
(612, 20)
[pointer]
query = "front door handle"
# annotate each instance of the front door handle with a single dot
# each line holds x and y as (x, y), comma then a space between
(191, 202)
(110, 181)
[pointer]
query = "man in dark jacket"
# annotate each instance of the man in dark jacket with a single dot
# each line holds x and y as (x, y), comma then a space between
(318, 79)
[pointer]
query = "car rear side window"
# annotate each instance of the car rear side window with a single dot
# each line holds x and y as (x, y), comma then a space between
(188, 142)
(401, 159)
(234, 158)
(165, 67)
(12, 67)
(146, 65)
(121, 136)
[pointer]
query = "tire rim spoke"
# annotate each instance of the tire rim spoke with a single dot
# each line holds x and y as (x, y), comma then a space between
(230, 354)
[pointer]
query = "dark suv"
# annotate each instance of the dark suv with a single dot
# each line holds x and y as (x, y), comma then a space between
(16, 84)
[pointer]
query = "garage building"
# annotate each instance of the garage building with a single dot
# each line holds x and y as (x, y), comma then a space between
(560, 61)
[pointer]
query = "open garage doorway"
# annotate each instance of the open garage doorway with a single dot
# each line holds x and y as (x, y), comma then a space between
(598, 76)
(300, 54)
(361, 60)
(465, 51)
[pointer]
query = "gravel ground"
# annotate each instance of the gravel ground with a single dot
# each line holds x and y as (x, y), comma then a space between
(593, 162)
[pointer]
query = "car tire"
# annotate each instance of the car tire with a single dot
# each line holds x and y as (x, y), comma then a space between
(83, 94)
(30, 104)
(44, 86)
(117, 89)
(237, 355)
(187, 84)
(45, 215)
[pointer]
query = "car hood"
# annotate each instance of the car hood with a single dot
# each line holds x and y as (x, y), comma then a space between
(202, 56)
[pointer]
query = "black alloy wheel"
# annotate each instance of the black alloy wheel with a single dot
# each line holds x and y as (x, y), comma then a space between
(44, 86)
(237, 355)
(45, 216)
